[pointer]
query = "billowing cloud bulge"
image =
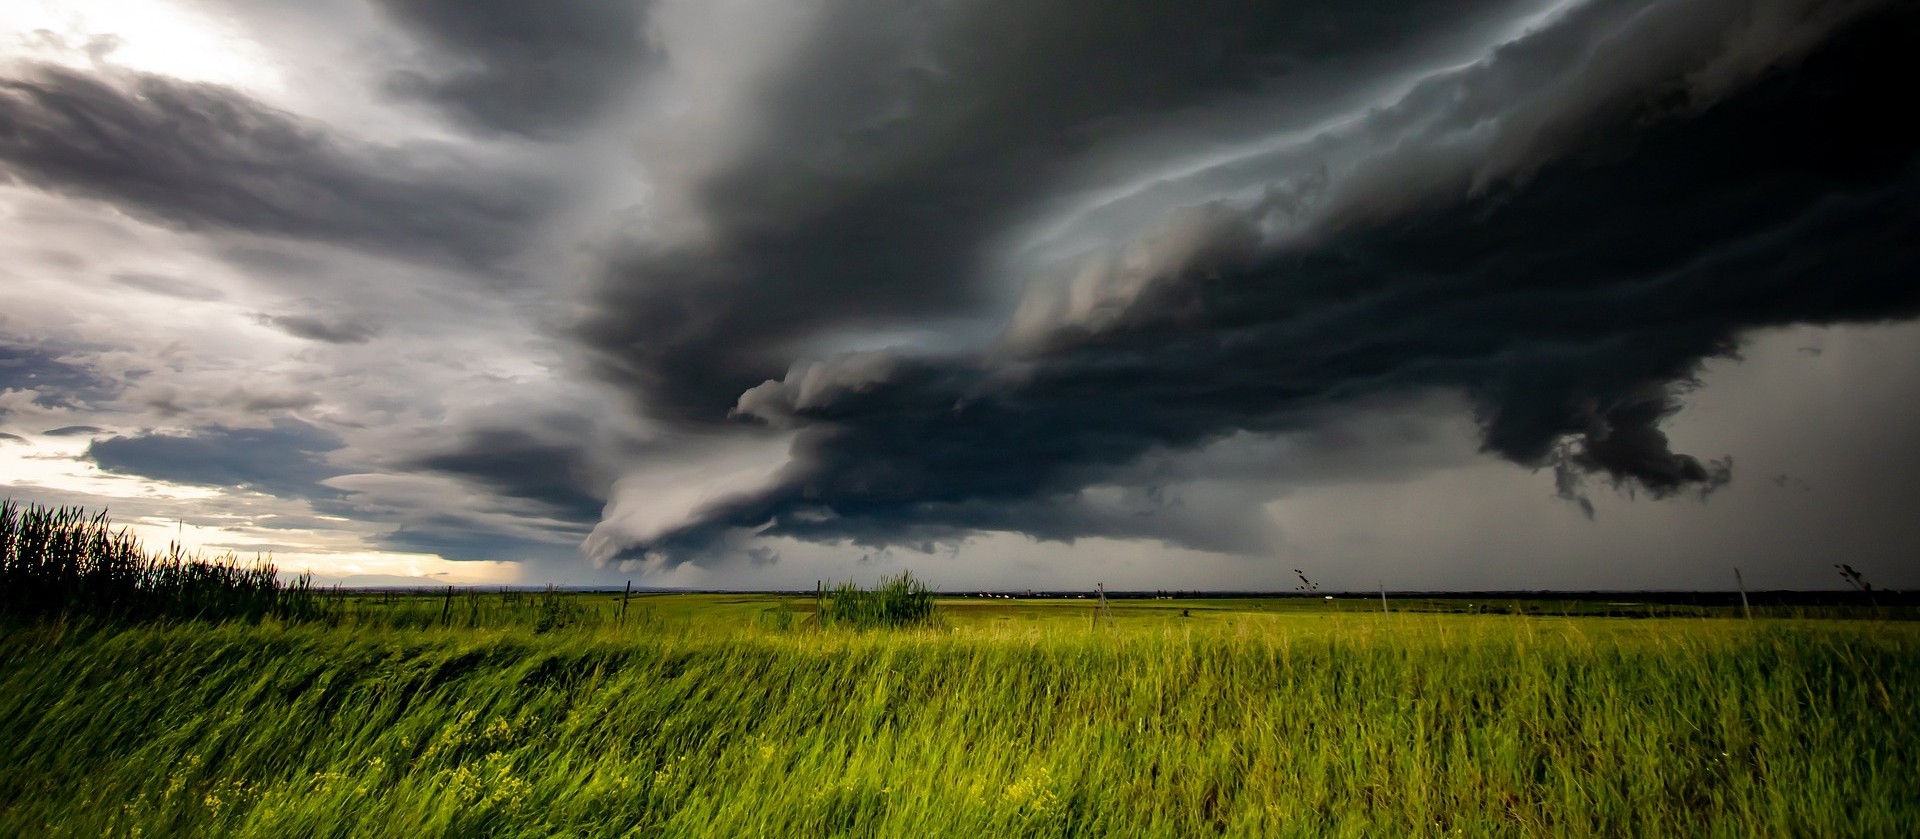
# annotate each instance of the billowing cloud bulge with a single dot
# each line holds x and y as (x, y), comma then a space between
(724, 281)
(1210, 234)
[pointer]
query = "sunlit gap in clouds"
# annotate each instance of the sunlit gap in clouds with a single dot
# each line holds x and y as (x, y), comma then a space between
(61, 464)
(328, 547)
(153, 36)
(346, 566)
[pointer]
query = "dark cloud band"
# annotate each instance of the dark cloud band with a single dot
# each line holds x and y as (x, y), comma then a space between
(1568, 303)
(289, 459)
(900, 141)
(533, 69)
(200, 156)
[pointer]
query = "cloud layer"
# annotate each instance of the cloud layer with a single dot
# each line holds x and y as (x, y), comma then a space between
(202, 156)
(737, 290)
(1471, 235)
(532, 70)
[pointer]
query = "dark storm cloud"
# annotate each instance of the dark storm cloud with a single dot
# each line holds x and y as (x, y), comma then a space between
(1571, 306)
(201, 156)
(458, 538)
(563, 477)
(74, 431)
(533, 69)
(286, 460)
(901, 138)
(55, 383)
(11, 438)
(317, 329)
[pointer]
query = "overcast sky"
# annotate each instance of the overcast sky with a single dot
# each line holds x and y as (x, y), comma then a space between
(1440, 294)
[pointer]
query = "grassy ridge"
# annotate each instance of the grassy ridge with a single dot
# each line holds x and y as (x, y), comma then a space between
(1241, 724)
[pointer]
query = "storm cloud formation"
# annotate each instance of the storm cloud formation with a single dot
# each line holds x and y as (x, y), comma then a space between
(316, 329)
(534, 69)
(734, 292)
(1562, 231)
(884, 156)
(560, 476)
(42, 373)
(204, 157)
(288, 459)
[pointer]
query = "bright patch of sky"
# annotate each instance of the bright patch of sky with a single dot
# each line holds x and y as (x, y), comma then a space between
(153, 36)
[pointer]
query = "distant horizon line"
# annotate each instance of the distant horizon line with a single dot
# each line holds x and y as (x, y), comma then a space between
(1134, 594)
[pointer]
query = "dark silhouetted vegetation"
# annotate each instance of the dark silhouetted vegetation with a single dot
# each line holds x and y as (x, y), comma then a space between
(64, 562)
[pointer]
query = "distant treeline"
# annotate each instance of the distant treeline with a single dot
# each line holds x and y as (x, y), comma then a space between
(64, 562)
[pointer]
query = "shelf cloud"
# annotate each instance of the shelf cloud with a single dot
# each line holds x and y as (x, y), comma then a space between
(729, 291)
(1562, 230)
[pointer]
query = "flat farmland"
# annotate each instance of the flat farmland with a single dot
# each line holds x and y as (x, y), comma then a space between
(552, 714)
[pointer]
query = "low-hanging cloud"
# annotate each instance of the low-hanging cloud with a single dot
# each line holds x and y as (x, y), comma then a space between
(45, 373)
(287, 459)
(879, 158)
(318, 329)
(532, 69)
(770, 285)
(1561, 232)
(562, 476)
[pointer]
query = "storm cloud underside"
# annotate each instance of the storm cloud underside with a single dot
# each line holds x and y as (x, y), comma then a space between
(1562, 231)
(697, 285)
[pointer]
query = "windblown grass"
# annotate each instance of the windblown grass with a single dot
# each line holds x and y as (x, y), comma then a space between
(702, 723)
(896, 602)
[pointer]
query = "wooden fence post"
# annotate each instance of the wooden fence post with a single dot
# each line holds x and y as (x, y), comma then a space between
(1744, 608)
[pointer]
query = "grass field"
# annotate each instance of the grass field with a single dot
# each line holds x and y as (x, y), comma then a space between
(725, 716)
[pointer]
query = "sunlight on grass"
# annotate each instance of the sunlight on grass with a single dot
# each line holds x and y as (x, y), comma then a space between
(692, 717)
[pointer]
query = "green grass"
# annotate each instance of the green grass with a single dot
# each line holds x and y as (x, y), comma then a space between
(692, 717)
(64, 562)
(895, 603)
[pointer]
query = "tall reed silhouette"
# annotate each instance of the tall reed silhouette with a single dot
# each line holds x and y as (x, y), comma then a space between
(67, 562)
